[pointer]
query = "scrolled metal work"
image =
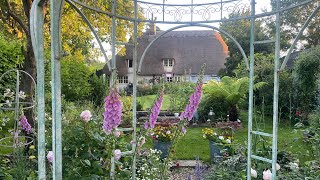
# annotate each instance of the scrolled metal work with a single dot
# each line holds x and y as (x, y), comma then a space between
(191, 12)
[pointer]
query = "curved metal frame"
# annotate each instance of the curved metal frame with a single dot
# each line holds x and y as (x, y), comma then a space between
(199, 25)
(85, 19)
(36, 24)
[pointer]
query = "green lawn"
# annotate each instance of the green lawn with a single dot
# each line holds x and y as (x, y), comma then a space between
(193, 144)
(147, 102)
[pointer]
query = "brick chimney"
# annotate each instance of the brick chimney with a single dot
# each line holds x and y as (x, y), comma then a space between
(153, 29)
(152, 26)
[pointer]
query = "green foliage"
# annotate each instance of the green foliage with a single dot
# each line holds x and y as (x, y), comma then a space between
(232, 168)
(127, 111)
(264, 72)
(231, 90)
(178, 93)
(75, 80)
(10, 57)
(306, 74)
(99, 89)
(312, 135)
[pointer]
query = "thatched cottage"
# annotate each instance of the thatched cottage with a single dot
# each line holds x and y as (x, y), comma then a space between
(177, 56)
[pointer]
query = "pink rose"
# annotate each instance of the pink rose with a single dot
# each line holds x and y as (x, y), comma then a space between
(117, 154)
(50, 156)
(86, 115)
(267, 175)
(117, 133)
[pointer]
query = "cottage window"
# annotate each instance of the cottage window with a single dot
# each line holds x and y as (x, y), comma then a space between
(123, 79)
(168, 62)
(177, 78)
(130, 63)
(169, 79)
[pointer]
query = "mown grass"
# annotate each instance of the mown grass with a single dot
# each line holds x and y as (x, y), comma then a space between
(193, 144)
(147, 102)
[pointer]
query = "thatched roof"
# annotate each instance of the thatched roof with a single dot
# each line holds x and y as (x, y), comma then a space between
(189, 49)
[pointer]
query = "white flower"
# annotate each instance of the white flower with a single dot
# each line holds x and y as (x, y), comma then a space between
(22, 95)
(239, 121)
(221, 137)
(228, 141)
(204, 136)
(293, 166)
(8, 103)
(215, 134)
(278, 167)
(267, 175)
(254, 173)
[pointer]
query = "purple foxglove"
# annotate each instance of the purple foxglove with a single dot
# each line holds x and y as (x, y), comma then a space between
(155, 112)
(113, 111)
(194, 101)
(25, 124)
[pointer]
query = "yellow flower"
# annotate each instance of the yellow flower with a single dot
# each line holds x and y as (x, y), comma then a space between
(32, 147)
(32, 157)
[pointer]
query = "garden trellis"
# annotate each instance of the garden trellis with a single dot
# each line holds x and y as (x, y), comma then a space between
(183, 15)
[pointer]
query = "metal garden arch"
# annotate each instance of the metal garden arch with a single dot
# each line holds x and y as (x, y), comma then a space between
(180, 14)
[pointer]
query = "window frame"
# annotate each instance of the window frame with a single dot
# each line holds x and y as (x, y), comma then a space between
(123, 79)
(168, 62)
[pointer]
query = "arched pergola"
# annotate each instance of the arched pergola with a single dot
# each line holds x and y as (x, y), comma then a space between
(183, 15)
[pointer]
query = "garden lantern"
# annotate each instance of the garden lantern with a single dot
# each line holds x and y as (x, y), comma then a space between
(211, 115)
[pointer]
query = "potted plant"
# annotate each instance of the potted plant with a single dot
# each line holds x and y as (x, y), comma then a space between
(162, 136)
(219, 144)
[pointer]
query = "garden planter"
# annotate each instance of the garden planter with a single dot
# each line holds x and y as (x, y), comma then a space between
(215, 154)
(163, 147)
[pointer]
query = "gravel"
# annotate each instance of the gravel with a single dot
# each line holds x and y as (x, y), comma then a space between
(181, 173)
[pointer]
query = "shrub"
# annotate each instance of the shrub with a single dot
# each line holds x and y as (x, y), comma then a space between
(75, 80)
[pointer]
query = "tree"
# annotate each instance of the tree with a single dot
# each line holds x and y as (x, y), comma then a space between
(264, 72)
(76, 36)
(240, 30)
(306, 80)
(293, 20)
(232, 90)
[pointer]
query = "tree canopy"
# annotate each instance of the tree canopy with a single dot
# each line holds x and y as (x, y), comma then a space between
(240, 30)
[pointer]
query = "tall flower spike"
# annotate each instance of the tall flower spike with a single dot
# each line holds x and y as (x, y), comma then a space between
(195, 98)
(113, 111)
(25, 124)
(155, 111)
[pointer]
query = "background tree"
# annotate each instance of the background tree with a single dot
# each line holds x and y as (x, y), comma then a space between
(76, 36)
(264, 72)
(240, 30)
(293, 20)
(306, 80)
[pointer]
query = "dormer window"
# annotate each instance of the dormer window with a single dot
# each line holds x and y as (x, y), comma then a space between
(130, 63)
(168, 62)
